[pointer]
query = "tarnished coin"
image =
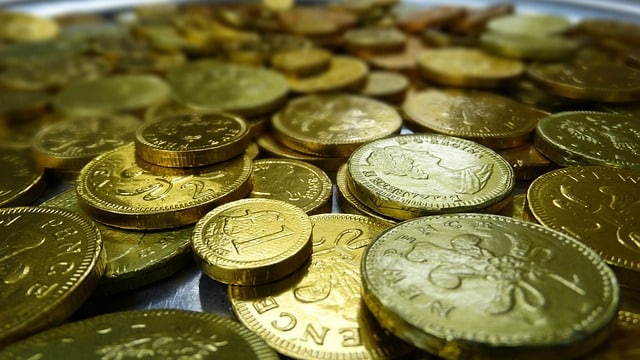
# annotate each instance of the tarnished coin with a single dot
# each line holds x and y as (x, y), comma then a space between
(192, 140)
(296, 182)
(489, 287)
(50, 261)
(134, 258)
(252, 241)
(115, 190)
(407, 176)
(159, 334)
(590, 138)
(492, 120)
(22, 182)
(344, 73)
(333, 124)
(71, 143)
(598, 205)
(317, 313)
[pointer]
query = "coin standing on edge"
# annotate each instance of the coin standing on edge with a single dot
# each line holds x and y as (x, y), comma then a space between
(489, 287)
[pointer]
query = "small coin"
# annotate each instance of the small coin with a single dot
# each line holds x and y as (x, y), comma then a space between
(296, 182)
(22, 182)
(487, 287)
(344, 73)
(159, 334)
(115, 190)
(252, 241)
(192, 140)
(50, 261)
(273, 148)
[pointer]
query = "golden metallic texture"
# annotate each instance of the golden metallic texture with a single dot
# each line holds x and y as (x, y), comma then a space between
(21, 181)
(480, 286)
(602, 28)
(252, 241)
(405, 62)
(51, 260)
(534, 47)
(333, 124)
(273, 148)
(22, 53)
(414, 20)
(527, 162)
(302, 62)
(315, 21)
(317, 313)
(192, 140)
(413, 175)
(541, 25)
(23, 27)
(159, 334)
(296, 182)
(344, 73)
(476, 19)
(387, 86)
(349, 203)
(115, 190)
(517, 208)
(22, 105)
(375, 40)
(590, 138)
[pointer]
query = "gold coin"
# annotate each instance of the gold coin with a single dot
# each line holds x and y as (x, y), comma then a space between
(541, 25)
(192, 140)
(333, 124)
(114, 93)
(22, 182)
(115, 190)
(388, 86)
(216, 85)
(597, 205)
(413, 175)
(301, 62)
(133, 258)
(349, 203)
(375, 40)
(589, 138)
(296, 182)
(344, 73)
(252, 241)
(50, 261)
(42, 51)
(405, 62)
(317, 312)
(16, 106)
(601, 28)
(467, 67)
(71, 143)
(530, 47)
(315, 21)
(158, 334)
(414, 20)
(23, 27)
(269, 145)
(487, 286)
(606, 82)
(489, 119)
(476, 19)
(518, 209)
(527, 162)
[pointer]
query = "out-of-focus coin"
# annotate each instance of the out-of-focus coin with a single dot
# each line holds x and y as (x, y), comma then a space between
(23, 27)
(387, 86)
(489, 287)
(527, 162)
(296, 182)
(601, 28)
(489, 119)
(115, 190)
(333, 124)
(70, 144)
(302, 62)
(407, 176)
(317, 312)
(22, 182)
(541, 25)
(606, 82)
(272, 147)
(252, 241)
(597, 205)
(16, 106)
(530, 47)
(50, 261)
(405, 62)
(413, 20)
(347, 202)
(476, 19)
(467, 67)
(160, 334)
(375, 40)
(590, 138)
(59, 48)
(116, 93)
(316, 21)
(192, 140)
(344, 72)
(134, 258)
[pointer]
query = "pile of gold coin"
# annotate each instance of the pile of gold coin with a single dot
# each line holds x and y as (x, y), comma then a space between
(366, 179)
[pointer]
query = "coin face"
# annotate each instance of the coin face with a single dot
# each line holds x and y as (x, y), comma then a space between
(317, 313)
(22, 182)
(414, 175)
(161, 334)
(50, 261)
(489, 286)
(252, 241)
(347, 201)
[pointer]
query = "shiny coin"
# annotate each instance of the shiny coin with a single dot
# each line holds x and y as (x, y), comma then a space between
(590, 138)
(252, 241)
(530, 47)
(527, 162)
(387, 86)
(115, 190)
(22, 182)
(414, 20)
(487, 287)
(302, 62)
(541, 25)
(404, 62)
(50, 261)
(159, 334)
(518, 209)
(344, 73)
(273, 148)
(296, 182)
(407, 176)
(375, 40)
(347, 202)
(23, 27)
(317, 312)
(192, 140)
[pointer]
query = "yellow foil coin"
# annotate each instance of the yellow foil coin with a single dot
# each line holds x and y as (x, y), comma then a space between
(347, 201)
(252, 241)
(301, 62)
(274, 148)
(597, 205)
(157, 334)
(192, 140)
(489, 287)
(296, 182)
(22, 27)
(413, 175)
(22, 182)
(50, 261)
(115, 190)
(317, 313)
(344, 73)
